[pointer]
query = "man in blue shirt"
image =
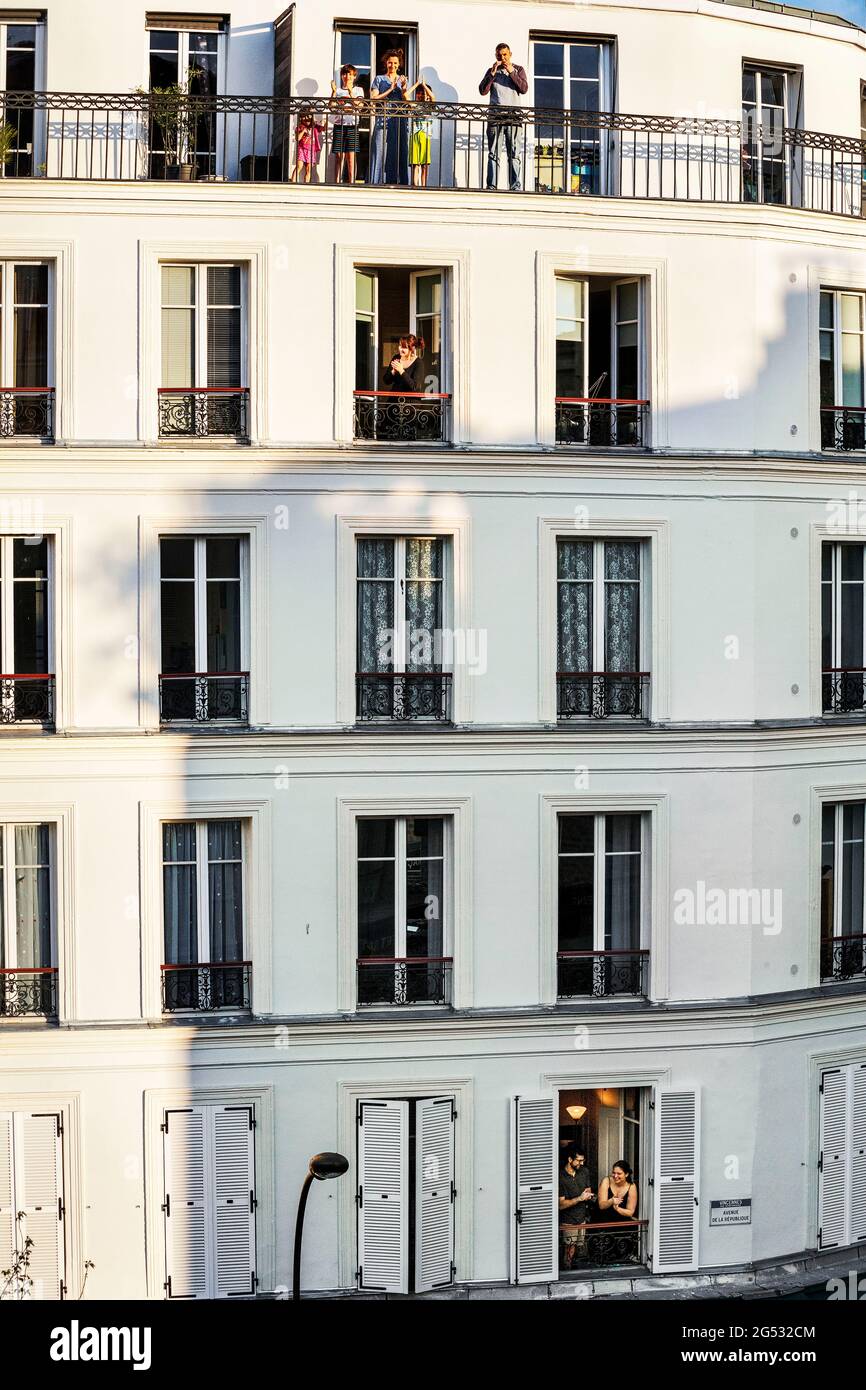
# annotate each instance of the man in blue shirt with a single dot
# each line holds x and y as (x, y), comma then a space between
(505, 82)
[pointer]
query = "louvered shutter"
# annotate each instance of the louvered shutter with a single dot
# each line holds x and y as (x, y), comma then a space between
(434, 1193)
(39, 1194)
(858, 1154)
(535, 1252)
(833, 1183)
(383, 1195)
(186, 1216)
(7, 1195)
(234, 1200)
(677, 1173)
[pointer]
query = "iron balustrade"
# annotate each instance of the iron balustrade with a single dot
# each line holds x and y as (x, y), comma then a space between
(404, 980)
(403, 695)
(237, 139)
(26, 412)
(603, 1243)
(843, 427)
(27, 699)
(417, 417)
(843, 957)
(206, 986)
(843, 689)
(602, 694)
(203, 412)
(28, 990)
(204, 697)
(608, 422)
(599, 974)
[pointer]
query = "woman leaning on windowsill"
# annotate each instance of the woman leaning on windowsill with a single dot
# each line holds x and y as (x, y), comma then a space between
(618, 1193)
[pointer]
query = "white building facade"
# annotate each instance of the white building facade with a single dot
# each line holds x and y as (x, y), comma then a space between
(441, 776)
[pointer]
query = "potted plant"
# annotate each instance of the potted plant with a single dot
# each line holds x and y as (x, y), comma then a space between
(8, 135)
(170, 109)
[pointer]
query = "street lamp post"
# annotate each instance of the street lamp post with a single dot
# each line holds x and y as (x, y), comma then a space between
(322, 1167)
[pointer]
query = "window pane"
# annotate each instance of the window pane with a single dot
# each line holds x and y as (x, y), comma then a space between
(627, 301)
(31, 284)
(363, 293)
(375, 839)
(30, 602)
(32, 896)
(852, 313)
(223, 626)
(177, 602)
(424, 558)
(574, 559)
(852, 563)
(622, 900)
(376, 908)
(30, 558)
(424, 837)
(375, 559)
(585, 59)
(225, 890)
(224, 347)
(852, 369)
(178, 347)
(223, 558)
(575, 907)
(548, 59)
(852, 869)
(428, 295)
(574, 627)
(424, 908)
(622, 560)
(31, 346)
(569, 299)
(828, 865)
(826, 310)
(622, 626)
(576, 834)
(177, 557)
(180, 915)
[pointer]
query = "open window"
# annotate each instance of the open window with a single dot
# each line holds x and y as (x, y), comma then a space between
(364, 46)
(771, 165)
(402, 367)
(574, 76)
(22, 65)
(601, 362)
(185, 59)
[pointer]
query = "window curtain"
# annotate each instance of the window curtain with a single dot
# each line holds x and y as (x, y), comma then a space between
(225, 890)
(852, 869)
(622, 605)
(178, 325)
(574, 602)
(622, 883)
(32, 896)
(424, 604)
(31, 325)
(375, 605)
(179, 893)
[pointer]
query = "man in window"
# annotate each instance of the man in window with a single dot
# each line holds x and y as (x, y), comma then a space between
(575, 1190)
(506, 83)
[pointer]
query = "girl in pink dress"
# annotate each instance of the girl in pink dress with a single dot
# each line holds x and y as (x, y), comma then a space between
(308, 145)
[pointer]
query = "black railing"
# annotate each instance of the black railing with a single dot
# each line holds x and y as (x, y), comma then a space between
(202, 412)
(415, 417)
(606, 422)
(597, 974)
(603, 1243)
(204, 697)
(843, 427)
(81, 135)
(28, 990)
(206, 986)
(843, 957)
(602, 694)
(403, 695)
(404, 980)
(26, 412)
(843, 689)
(27, 699)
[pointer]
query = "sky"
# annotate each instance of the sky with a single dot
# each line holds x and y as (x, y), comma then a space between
(848, 9)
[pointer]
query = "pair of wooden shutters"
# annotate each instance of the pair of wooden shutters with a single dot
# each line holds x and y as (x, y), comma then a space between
(210, 1201)
(31, 1183)
(842, 1162)
(535, 1134)
(387, 1202)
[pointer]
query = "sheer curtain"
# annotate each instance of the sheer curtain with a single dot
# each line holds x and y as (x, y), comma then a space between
(179, 893)
(622, 605)
(225, 890)
(375, 605)
(424, 603)
(574, 600)
(32, 896)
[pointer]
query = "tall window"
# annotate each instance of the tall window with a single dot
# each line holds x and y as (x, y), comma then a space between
(402, 639)
(409, 403)
(26, 685)
(21, 63)
(402, 926)
(572, 76)
(599, 362)
(203, 916)
(599, 621)
(843, 943)
(843, 382)
(203, 351)
(364, 47)
(26, 393)
(599, 905)
(764, 155)
(203, 628)
(843, 627)
(28, 975)
(185, 62)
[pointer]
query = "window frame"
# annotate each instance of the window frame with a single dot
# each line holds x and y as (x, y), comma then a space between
(8, 265)
(7, 603)
(599, 582)
(599, 858)
(9, 876)
(838, 333)
(39, 125)
(200, 309)
(200, 583)
(401, 875)
(202, 896)
(402, 634)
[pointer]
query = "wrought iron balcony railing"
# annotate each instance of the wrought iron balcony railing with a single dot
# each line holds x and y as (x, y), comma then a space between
(603, 422)
(206, 986)
(403, 695)
(204, 697)
(416, 417)
(26, 412)
(602, 694)
(27, 699)
(132, 136)
(204, 412)
(598, 974)
(404, 980)
(843, 689)
(28, 990)
(604, 1243)
(843, 957)
(843, 427)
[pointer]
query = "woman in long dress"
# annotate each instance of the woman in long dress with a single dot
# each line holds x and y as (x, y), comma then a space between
(389, 146)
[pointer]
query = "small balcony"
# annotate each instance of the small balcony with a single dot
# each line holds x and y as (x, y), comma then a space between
(601, 974)
(606, 1244)
(27, 699)
(204, 412)
(843, 428)
(843, 958)
(204, 697)
(27, 412)
(843, 689)
(602, 422)
(207, 987)
(397, 981)
(602, 694)
(403, 695)
(28, 992)
(415, 417)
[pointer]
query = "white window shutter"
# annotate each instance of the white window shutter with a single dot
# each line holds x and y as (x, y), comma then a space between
(234, 1220)
(39, 1194)
(858, 1154)
(677, 1173)
(535, 1255)
(7, 1195)
(383, 1195)
(434, 1193)
(833, 1177)
(186, 1217)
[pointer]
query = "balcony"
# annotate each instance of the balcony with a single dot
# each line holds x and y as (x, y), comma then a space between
(251, 139)
(602, 422)
(403, 695)
(206, 987)
(204, 412)
(843, 428)
(602, 694)
(600, 974)
(843, 957)
(27, 699)
(27, 412)
(404, 980)
(204, 697)
(28, 992)
(843, 689)
(416, 417)
(611, 1243)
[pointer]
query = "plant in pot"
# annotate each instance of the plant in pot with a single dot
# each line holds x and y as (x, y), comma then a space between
(7, 144)
(176, 117)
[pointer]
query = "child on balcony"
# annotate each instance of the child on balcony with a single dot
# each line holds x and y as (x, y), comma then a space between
(308, 144)
(422, 98)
